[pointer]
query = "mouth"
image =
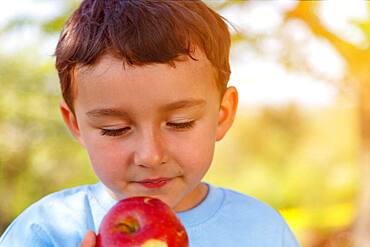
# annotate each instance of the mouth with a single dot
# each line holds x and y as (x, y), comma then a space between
(154, 183)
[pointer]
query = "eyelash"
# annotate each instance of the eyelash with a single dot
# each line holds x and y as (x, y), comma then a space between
(117, 132)
(184, 125)
(114, 132)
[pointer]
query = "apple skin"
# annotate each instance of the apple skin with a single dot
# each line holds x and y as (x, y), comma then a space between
(141, 222)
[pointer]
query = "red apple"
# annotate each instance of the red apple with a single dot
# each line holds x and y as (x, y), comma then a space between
(141, 222)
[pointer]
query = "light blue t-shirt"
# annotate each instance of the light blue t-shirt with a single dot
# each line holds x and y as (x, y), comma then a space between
(224, 218)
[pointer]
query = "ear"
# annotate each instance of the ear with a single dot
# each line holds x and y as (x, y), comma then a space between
(227, 112)
(71, 121)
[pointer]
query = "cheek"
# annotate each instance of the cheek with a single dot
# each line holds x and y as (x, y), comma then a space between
(196, 153)
(107, 159)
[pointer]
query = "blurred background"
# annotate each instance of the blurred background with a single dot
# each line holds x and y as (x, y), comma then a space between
(301, 141)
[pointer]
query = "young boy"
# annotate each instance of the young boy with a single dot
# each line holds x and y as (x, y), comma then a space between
(145, 92)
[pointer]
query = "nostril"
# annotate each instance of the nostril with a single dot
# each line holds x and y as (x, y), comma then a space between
(150, 164)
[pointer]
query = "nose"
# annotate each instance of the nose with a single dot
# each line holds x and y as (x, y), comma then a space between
(149, 149)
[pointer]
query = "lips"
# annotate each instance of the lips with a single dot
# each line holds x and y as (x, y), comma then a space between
(154, 183)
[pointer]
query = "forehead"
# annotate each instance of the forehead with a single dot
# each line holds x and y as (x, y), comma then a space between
(112, 82)
(199, 63)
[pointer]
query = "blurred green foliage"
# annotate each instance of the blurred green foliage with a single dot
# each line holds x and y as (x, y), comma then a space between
(37, 154)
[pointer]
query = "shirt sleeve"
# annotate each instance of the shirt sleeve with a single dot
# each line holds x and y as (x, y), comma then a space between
(60, 219)
(29, 235)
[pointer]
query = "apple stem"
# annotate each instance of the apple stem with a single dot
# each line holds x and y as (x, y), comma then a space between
(129, 226)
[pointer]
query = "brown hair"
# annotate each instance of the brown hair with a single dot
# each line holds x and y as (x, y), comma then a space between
(141, 32)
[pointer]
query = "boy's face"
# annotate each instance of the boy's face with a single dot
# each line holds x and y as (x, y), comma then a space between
(151, 130)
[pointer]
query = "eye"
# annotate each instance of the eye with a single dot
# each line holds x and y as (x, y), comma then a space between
(183, 125)
(114, 132)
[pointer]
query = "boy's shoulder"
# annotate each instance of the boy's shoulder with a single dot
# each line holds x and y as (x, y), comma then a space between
(68, 195)
(249, 208)
(64, 201)
(231, 218)
(72, 204)
(226, 205)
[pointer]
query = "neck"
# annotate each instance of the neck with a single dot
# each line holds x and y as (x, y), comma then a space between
(193, 198)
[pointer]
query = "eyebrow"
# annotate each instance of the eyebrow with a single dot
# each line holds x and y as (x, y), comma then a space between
(105, 112)
(115, 112)
(183, 104)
